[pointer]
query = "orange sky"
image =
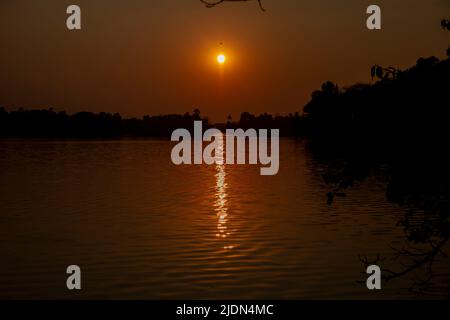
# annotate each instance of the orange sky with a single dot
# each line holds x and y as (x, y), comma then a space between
(148, 57)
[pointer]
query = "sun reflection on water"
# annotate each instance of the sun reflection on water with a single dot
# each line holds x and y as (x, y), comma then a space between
(220, 204)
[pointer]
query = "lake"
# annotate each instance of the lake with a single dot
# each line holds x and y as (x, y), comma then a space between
(142, 228)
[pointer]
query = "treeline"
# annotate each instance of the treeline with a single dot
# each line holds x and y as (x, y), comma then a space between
(289, 125)
(49, 123)
(403, 111)
(400, 123)
(410, 106)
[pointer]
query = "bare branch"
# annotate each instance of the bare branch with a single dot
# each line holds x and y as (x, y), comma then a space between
(426, 259)
(213, 3)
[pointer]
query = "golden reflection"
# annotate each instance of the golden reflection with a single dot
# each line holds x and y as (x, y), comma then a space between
(220, 204)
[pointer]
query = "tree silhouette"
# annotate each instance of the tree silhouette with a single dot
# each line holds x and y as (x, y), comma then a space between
(48, 123)
(213, 3)
(196, 114)
(393, 130)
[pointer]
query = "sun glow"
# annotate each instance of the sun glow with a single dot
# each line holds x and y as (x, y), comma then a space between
(221, 58)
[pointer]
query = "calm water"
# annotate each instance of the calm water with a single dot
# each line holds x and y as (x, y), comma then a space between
(140, 227)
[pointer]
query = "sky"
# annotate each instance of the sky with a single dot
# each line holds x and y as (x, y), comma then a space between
(139, 57)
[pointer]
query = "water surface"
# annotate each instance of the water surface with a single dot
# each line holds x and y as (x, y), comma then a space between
(141, 227)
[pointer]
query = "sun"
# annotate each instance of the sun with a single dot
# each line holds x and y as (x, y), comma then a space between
(221, 58)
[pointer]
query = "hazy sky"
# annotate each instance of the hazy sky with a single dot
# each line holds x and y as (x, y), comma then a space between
(149, 57)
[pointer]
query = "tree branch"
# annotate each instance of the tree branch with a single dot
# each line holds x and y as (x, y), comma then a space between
(213, 3)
